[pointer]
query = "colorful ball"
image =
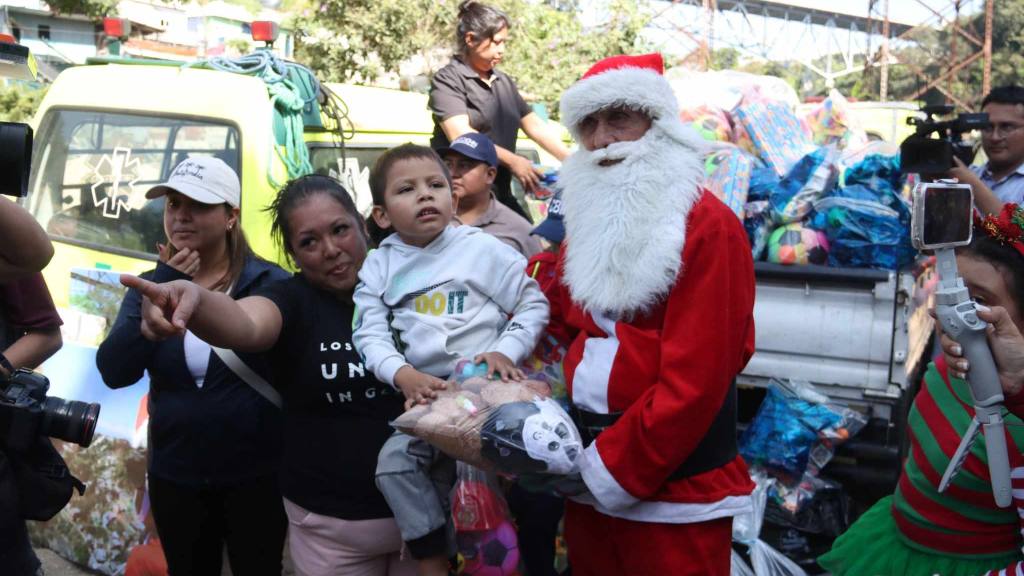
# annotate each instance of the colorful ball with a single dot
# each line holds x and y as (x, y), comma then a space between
(491, 553)
(795, 244)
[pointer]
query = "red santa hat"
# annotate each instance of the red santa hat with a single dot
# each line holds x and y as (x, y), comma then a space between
(635, 82)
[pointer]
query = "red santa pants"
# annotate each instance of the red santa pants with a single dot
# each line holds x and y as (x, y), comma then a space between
(601, 545)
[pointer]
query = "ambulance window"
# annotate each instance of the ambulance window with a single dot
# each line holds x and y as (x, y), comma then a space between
(91, 170)
(354, 173)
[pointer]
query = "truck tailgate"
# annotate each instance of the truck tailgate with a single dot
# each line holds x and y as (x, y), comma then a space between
(855, 331)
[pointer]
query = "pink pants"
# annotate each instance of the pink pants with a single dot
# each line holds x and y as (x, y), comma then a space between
(327, 546)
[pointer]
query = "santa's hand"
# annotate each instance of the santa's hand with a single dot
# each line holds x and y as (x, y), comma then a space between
(166, 308)
(498, 363)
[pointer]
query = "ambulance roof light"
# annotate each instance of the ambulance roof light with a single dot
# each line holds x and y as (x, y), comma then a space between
(265, 31)
(117, 27)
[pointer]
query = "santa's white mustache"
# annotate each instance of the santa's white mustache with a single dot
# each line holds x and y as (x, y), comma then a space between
(614, 152)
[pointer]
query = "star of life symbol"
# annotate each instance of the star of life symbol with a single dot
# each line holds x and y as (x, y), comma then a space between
(115, 177)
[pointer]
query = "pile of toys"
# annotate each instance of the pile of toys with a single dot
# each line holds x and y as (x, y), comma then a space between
(810, 188)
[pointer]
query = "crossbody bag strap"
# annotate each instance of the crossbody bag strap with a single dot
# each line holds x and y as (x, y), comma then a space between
(254, 380)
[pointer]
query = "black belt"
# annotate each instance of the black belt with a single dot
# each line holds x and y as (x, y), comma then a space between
(716, 449)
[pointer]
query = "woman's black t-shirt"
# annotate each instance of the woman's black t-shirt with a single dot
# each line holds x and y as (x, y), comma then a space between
(336, 413)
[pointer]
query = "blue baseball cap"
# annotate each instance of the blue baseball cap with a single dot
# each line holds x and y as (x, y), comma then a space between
(553, 227)
(473, 145)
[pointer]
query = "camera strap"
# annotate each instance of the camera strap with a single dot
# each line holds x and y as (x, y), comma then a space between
(243, 371)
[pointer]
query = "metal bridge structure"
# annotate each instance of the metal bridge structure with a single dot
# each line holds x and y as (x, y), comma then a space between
(831, 39)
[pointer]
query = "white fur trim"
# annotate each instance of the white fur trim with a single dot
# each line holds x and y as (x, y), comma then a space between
(636, 88)
(608, 497)
(590, 380)
(605, 488)
(626, 223)
(675, 512)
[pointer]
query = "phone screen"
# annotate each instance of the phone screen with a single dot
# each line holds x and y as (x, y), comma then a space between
(947, 216)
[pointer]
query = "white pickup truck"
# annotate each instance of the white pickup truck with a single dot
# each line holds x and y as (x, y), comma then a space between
(863, 337)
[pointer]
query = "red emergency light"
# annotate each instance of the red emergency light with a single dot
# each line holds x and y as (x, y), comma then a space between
(265, 31)
(117, 27)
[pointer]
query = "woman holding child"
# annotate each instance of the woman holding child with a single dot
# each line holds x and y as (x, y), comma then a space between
(340, 522)
(335, 412)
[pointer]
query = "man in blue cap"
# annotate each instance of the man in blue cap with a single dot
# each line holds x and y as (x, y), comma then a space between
(552, 228)
(473, 163)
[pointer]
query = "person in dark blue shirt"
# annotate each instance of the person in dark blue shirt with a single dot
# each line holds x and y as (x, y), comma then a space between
(214, 441)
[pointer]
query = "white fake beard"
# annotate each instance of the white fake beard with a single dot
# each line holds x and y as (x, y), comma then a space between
(626, 223)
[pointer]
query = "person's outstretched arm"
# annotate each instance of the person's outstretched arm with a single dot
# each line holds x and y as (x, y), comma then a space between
(251, 324)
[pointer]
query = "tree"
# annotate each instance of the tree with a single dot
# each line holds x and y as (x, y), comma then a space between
(363, 39)
(93, 8)
(550, 49)
(360, 40)
(18, 104)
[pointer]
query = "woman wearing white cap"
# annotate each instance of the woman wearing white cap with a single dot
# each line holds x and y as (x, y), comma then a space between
(214, 440)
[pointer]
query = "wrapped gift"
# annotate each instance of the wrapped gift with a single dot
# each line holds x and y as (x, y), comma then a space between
(727, 176)
(777, 134)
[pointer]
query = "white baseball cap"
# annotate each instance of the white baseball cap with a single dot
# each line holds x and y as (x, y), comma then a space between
(204, 179)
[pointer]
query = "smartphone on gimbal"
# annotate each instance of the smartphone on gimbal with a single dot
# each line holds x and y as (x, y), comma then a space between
(943, 215)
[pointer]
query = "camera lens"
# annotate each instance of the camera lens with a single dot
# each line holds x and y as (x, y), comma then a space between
(70, 420)
(15, 158)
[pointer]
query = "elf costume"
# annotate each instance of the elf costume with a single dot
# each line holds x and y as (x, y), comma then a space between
(655, 292)
(961, 532)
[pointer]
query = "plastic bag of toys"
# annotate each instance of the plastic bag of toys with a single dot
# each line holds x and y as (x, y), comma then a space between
(510, 427)
(757, 222)
(794, 422)
(746, 530)
(793, 198)
(486, 538)
(710, 122)
(545, 365)
(832, 122)
(863, 231)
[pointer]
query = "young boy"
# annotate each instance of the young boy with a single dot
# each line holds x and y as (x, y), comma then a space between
(473, 163)
(431, 294)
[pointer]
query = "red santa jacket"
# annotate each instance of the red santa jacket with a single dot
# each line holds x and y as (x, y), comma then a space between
(668, 372)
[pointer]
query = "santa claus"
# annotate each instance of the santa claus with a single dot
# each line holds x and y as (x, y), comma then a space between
(656, 295)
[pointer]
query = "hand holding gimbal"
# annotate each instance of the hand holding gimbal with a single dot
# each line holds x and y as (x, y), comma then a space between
(942, 220)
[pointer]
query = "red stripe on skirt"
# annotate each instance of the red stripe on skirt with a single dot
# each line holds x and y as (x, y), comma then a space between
(955, 544)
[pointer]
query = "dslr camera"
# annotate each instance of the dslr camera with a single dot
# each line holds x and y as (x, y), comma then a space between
(26, 412)
(15, 138)
(921, 153)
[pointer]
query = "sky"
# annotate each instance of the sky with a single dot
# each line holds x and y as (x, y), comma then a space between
(776, 39)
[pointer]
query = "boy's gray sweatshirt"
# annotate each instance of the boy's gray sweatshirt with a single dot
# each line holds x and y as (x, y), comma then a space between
(463, 294)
